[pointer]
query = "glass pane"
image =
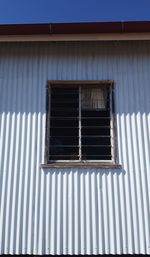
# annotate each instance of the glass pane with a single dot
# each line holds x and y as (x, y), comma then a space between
(95, 124)
(93, 98)
(64, 131)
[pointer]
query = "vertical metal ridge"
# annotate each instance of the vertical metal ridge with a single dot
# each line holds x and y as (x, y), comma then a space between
(78, 210)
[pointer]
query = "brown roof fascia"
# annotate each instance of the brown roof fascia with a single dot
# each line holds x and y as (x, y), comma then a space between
(75, 28)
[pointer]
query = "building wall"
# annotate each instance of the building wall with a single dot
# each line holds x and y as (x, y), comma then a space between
(78, 210)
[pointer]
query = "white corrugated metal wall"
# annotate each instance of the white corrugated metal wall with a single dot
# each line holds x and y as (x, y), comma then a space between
(78, 210)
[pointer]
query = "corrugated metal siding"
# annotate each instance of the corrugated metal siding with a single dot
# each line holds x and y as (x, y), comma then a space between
(78, 210)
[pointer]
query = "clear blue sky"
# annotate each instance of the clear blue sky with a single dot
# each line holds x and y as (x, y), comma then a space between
(34, 11)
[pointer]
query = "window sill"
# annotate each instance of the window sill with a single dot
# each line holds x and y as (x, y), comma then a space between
(81, 164)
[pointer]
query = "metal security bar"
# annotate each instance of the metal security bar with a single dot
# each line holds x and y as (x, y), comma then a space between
(80, 123)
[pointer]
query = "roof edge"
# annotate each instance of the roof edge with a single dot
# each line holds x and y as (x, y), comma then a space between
(75, 28)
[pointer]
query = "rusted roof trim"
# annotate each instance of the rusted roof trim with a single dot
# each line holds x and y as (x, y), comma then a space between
(75, 28)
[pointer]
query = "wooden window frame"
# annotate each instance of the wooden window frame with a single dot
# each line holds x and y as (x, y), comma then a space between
(104, 163)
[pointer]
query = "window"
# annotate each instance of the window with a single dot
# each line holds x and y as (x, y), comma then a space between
(80, 125)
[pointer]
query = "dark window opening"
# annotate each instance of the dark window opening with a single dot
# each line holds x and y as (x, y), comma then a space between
(79, 123)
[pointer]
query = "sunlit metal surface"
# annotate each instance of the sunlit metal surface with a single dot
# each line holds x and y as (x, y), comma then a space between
(78, 210)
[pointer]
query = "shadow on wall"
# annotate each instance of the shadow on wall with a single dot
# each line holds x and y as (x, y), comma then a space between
(25, 69)
(84, 171)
